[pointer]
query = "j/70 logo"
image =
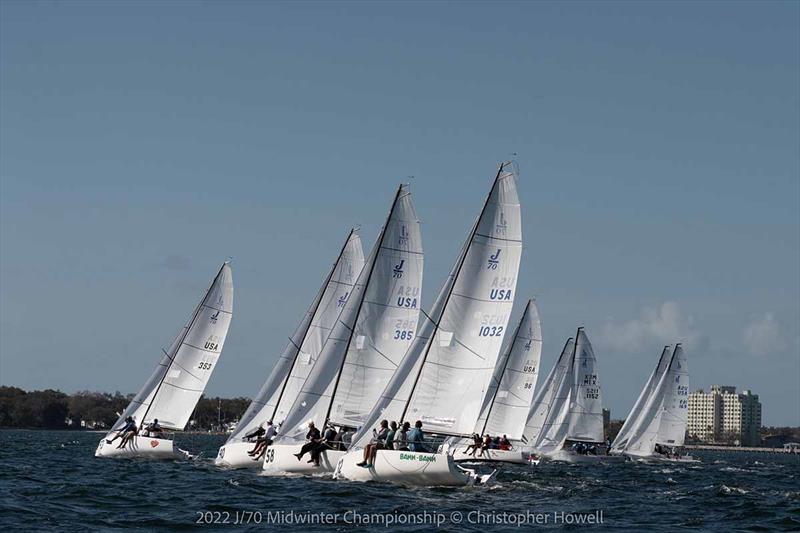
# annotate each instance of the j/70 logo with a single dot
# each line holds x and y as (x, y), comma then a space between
(398, 269)
(343, 299)
(494, 260)
(214, 317)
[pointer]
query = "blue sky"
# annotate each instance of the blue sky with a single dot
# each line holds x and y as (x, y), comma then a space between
(143, 143)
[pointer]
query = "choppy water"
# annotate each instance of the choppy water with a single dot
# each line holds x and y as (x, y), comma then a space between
(51, 480)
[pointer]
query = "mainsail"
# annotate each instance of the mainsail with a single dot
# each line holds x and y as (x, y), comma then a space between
(662, 419)
(546, 394)
(373, 331)
(675, 406)
(634, 418)
(445, 374)
(173, 390)
(511, 390)
(576, 412)
(290, 372)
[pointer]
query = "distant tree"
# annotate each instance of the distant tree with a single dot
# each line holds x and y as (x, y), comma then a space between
(10, 397)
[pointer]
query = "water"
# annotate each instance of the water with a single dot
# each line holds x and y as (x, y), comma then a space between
(51, 480)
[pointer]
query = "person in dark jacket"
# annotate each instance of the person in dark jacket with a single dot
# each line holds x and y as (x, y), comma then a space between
(328, 442)
(312, 437)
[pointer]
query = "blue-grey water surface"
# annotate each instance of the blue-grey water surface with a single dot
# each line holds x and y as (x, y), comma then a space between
(52, 481)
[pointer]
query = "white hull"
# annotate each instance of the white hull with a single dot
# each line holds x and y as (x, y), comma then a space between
(663, 459)
(140, 447)
(571, 457)
(234, 455)
(407, 468)
(519, 457)
(280, 460)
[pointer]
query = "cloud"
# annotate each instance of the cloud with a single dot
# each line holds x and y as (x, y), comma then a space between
(763, 335)
(664, 325)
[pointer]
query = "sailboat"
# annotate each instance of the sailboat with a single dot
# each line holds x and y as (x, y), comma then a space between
(546, 396)
(445, 374)
(508, 400)
(572, 429)
(656, 425)
(283, 385)
(364, 348)
(173, 390)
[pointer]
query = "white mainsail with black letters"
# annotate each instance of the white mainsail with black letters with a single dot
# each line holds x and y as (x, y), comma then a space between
(576, 413)
(445, 374)
(172, 392)
(659, 415)
(372, 333)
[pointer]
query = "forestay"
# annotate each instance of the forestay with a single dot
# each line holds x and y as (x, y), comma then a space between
(173, 390)
(445, 374)
(373, 331)
(511, 390)
(281, 388)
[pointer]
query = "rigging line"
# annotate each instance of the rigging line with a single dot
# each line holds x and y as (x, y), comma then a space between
(469, 349)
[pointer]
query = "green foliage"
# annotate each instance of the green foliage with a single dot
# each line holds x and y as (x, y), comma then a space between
(50, 409)
(37, 409)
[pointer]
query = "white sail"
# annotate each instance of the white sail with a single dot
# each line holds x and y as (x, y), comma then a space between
(586, 406)
(576, 412)
(633, 420)
(373, 332)
(546, 394)
(511, 390)
(555, 426)
(672, 426)
(445, 374)
(290, 372)
(173, 390)
(663, 418)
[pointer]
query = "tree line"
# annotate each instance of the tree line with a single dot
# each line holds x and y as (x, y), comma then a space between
(53, 409)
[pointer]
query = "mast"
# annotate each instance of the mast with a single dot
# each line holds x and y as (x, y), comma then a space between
(505, 365)
(313, 312)
(171, 357)
(361, 303)
(438, 321)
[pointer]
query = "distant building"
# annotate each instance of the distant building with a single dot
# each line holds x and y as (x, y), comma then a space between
(723, 415)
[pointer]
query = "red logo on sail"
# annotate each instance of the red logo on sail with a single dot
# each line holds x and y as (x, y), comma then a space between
(153, 443)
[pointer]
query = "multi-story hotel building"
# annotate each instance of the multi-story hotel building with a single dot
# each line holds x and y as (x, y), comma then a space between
(723, 415)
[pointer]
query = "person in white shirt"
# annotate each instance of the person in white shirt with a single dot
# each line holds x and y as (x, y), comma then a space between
(263, 441)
